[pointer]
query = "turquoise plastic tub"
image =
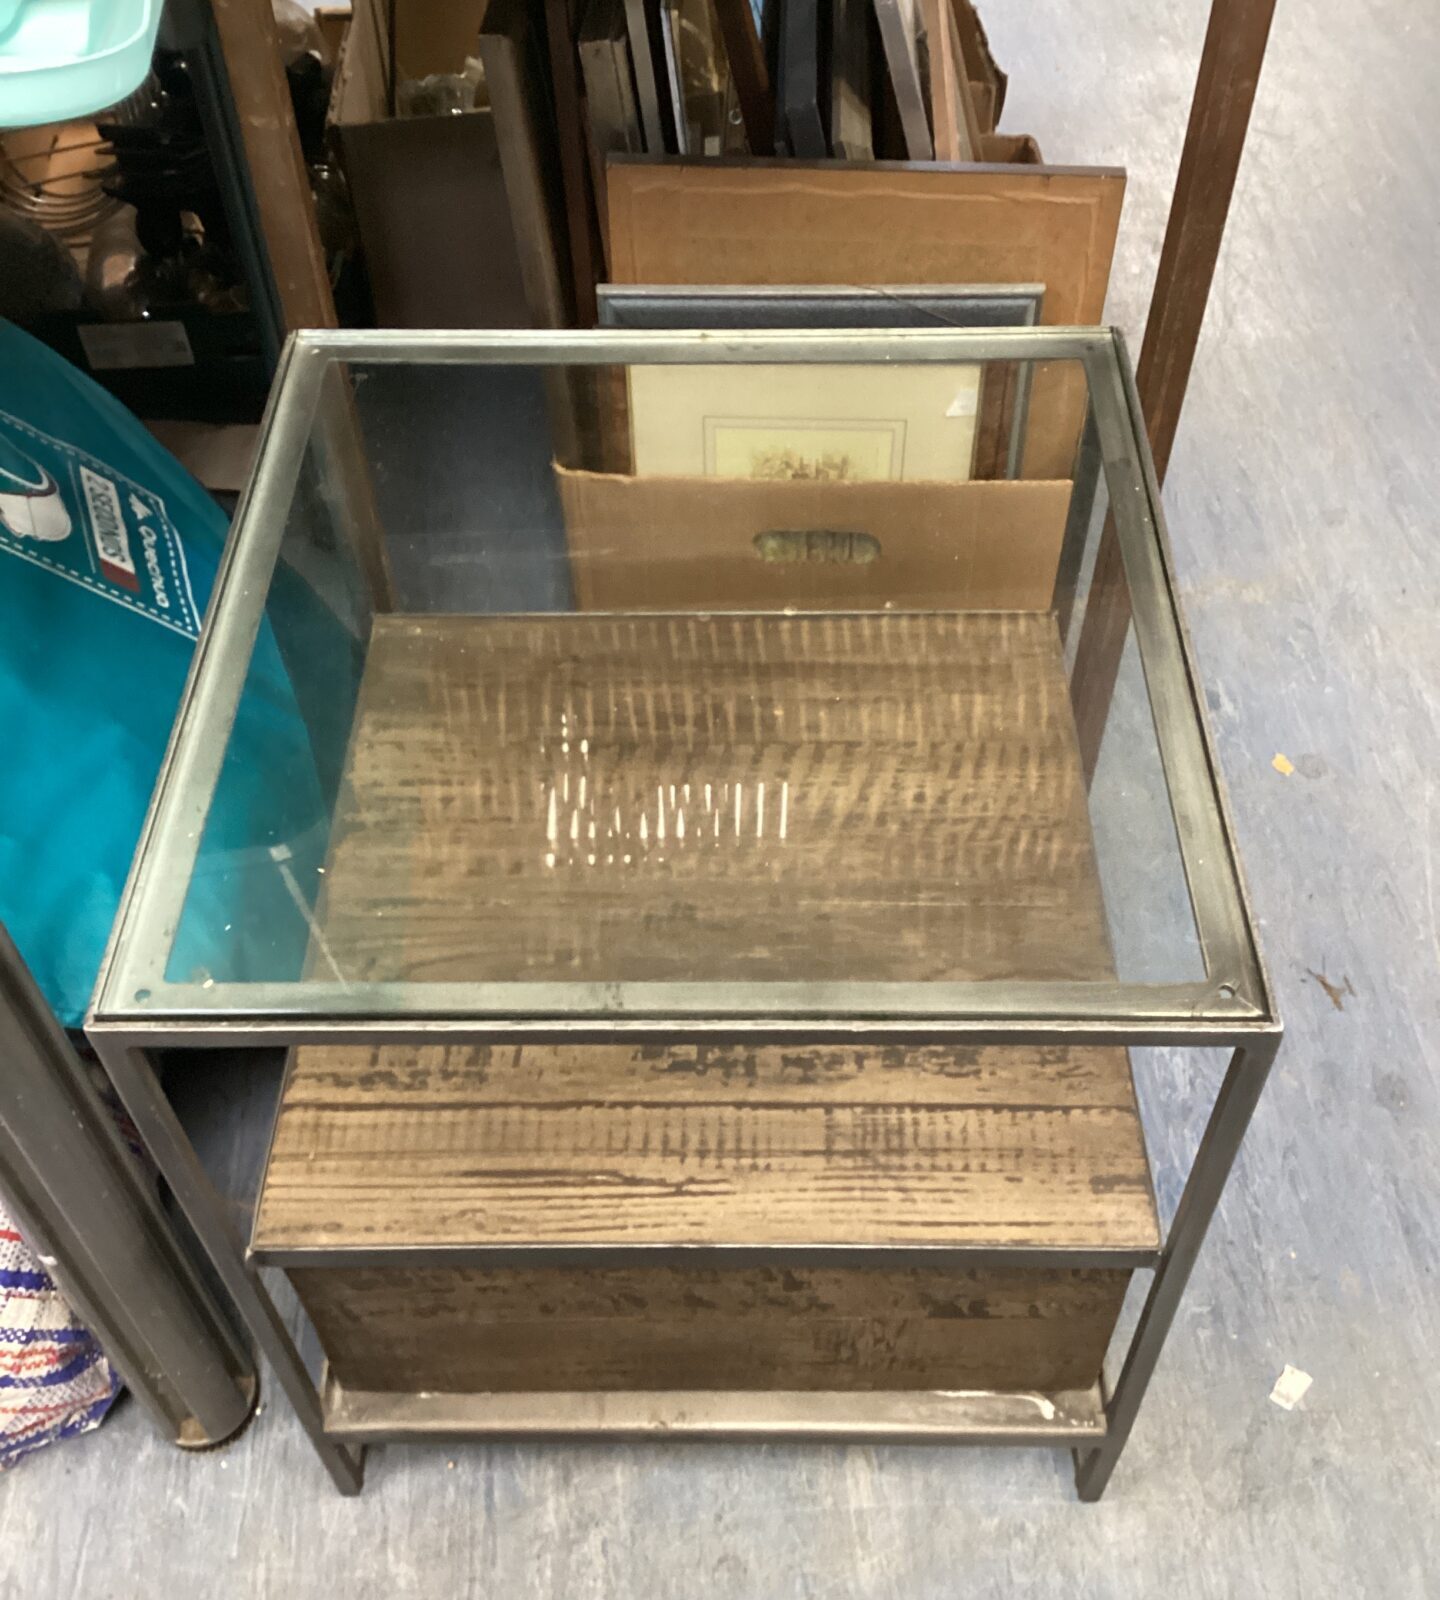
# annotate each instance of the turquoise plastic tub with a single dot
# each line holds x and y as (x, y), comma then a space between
(70, 58)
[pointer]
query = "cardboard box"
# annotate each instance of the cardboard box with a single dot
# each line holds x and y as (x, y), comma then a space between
(686, 544)
(987, 81)
(428, 192)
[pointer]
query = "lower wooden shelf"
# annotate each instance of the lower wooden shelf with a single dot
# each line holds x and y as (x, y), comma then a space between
(467, 1220)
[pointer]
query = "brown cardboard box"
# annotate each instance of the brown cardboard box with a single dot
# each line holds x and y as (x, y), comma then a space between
(1011, 147)
(428, 192)
(665, 544)
(987, 81)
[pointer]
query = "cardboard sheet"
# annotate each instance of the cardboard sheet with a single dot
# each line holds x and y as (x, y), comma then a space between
(664, 544)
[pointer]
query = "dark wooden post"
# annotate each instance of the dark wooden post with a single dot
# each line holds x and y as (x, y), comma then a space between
(1214, 142)
(261, 94)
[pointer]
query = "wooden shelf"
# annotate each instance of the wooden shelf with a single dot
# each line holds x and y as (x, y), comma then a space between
(704, 799)
(558, 797)
(393, 1150)
(614, 1219)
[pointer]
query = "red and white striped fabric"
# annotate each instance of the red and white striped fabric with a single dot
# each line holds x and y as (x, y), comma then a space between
(54, 1378)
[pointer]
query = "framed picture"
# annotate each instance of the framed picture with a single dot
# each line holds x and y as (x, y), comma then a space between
(798, 81)
(952, 111)
(643, 26)
(852, 136)
(604, 50)
(834, 424)
(811, 434)
(698, 71)
(900, 31)
(674, 84)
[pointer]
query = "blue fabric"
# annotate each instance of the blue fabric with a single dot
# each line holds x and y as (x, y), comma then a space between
(108, 552)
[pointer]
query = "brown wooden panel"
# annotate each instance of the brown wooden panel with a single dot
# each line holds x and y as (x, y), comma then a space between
(626, 1145)
(330, 1081)
(276, 168)
(884, 222)
(1225, 85)
(468, 1330)
(875, 797)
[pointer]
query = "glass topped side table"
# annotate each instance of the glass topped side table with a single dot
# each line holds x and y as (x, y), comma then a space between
(659, 788)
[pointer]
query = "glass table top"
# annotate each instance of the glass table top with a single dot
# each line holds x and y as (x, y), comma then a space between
(633, 674)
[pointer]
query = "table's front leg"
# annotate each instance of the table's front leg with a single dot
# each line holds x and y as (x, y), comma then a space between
(139, 1087)
(1234, 1105)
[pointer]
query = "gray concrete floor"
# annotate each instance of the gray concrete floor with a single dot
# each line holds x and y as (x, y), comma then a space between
(1301, 500)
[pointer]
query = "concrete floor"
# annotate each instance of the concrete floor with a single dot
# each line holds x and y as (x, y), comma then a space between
(1301, 500)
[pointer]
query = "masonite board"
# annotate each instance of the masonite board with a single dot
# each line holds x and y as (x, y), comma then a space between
(758, 222)
(987, 545)
(678, 798)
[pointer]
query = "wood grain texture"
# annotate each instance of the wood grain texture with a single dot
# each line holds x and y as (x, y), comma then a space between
(396, 1148)
(473, 1331)
(689, 796)
(552, 1146)
(591, 798)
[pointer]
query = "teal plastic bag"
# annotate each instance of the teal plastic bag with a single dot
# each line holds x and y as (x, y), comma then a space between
(108, 552)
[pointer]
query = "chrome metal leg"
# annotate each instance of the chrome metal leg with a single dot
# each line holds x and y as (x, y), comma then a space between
(1244, 1079)
(135, 1081)
(102, 1233)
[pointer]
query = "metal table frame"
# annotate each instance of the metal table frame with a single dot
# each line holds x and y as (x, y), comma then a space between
(138, 1012)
